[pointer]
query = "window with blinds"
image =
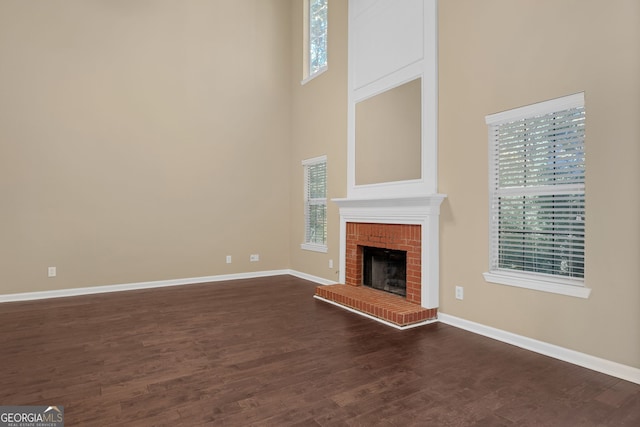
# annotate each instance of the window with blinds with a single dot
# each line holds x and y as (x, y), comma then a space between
(315, 204)
(537, 191)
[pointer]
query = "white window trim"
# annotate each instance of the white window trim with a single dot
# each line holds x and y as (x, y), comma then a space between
(528, 280)
(566, 102)
(314, 75)
(538, 283)
(314, 247)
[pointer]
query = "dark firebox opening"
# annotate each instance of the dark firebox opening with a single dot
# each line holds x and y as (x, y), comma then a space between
(385, 269)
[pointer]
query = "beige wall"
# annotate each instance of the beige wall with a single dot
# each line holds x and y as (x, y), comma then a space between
(142, 140)
(146, 140)
(319, 127)
(500, 54)
(388, 135)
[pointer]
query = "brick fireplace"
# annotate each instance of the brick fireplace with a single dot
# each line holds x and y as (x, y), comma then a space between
(408, 224)
(401, 237)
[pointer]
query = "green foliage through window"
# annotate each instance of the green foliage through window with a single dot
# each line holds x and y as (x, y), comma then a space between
(317, 35)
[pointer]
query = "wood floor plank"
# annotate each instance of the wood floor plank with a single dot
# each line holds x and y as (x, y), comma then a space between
(263, 352)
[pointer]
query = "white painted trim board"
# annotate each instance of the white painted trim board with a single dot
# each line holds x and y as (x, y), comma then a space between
(62, 293)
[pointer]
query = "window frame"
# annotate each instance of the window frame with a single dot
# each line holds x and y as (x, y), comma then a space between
(552, 283)
(308, 73)
(318, 201)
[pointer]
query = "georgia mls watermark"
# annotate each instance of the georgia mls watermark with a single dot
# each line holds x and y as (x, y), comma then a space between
(31, 416)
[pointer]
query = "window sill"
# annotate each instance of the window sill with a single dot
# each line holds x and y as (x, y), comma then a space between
(314, 248)
(562, 287)
(314, 75)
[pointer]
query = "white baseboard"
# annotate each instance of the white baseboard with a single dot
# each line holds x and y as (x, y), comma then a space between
(604, 366)
(377, 319)
(61, 293)
(316, 279)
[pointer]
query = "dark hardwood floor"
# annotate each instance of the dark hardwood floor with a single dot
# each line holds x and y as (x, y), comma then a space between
(264, 352)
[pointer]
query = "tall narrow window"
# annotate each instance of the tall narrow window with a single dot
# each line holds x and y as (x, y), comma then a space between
(537, 195)
(315, 204)
(315, 55)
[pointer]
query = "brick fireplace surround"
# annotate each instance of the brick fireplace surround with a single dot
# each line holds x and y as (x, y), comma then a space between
(400, 237)
(394, 309)
(399, 223)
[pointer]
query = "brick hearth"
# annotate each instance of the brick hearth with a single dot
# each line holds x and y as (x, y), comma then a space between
(391, 308)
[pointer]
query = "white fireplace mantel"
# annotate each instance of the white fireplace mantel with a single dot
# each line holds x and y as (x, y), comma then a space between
(420, 210)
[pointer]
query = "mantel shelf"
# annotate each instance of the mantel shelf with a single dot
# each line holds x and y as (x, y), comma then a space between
(430, 200)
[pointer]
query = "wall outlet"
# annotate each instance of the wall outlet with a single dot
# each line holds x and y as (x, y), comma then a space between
(330, 263)
(254, 257)
(228, 259)
(459, 292)
(51, 272)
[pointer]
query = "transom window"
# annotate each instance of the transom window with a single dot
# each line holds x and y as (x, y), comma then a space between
(537, 195)
(316, 26)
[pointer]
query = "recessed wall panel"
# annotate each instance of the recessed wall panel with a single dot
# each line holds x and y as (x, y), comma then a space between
(387, 36)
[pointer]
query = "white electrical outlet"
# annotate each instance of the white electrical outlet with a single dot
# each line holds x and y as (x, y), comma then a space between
(51, 272)
(254, 257)
(330, 263)
(459, 292)
(228, 259)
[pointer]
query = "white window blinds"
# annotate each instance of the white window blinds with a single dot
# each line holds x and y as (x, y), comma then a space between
(315, 202)
(537, 191)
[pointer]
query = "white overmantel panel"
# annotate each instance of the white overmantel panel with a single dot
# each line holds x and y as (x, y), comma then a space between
(392, 42)
(387, 36)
